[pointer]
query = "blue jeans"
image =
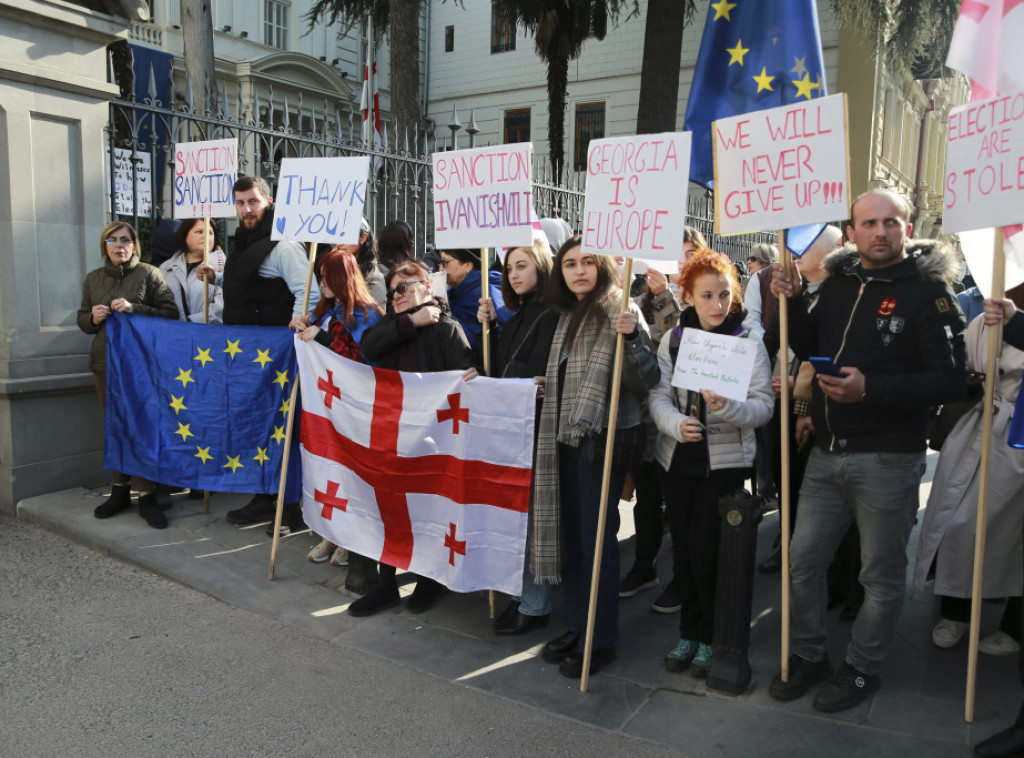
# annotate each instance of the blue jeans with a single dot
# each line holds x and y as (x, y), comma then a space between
(581, 498)
(880, 492)
(536, 598)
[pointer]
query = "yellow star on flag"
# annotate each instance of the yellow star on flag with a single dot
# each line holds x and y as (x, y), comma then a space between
(282, 378)
(736, 53)
(278, 435)
(262, 357)
(203, 356)
(764, 82)
(183, 430)
(261, 455)
(805, 87)
(722, 8)
(203, 454)
(286, 405)
(233, 349)
(233, 463)
(184, 377)
(178, 404)
(799, 66)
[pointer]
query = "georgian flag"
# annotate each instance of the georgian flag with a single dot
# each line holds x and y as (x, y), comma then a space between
(424, 472)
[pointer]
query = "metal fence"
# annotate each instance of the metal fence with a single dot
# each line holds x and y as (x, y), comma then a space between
(142, 137)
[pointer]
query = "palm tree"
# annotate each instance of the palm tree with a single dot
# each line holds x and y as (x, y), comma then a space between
(659, 78)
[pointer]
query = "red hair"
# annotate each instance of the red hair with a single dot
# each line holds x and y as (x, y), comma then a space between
(707, 261)
(340, 271)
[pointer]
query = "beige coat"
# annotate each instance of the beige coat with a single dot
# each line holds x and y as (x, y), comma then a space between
(948, 529)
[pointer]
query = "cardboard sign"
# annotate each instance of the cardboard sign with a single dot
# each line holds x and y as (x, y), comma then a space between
(483, 197)
(985, 165)
(636, 195)
(320, 199)
(782, 167)
(204, 173)
(715, 362)
(126, 201)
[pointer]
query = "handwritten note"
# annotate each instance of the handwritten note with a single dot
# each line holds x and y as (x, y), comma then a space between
(985, 165)
(320, 199)
(204, 173)
(636, 195)
(132, 195)
(483, 197)
(782, 167)
(715, 362)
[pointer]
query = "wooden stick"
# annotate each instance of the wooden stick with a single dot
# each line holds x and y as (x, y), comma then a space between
(995, 340)
(784, 511)
(606, 475)
(485, 346)
(289, 424)
(206, 315)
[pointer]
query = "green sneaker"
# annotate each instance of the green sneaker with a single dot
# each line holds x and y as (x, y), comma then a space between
(680, 656)
(701, 662)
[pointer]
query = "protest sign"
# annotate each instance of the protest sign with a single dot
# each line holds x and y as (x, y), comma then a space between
(782, 167)
(483, 197)
(320, 199)
(132, 195)
(715, 362)
(636, 195)
(204, 173)
(985, 164)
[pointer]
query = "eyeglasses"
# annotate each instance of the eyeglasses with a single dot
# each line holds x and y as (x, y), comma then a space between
(401, 287)
(119, 241)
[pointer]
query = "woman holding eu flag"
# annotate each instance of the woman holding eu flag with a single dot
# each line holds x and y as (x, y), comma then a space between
(126, 285)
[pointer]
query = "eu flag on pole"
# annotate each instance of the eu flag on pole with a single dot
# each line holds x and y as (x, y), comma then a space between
(753, 55)
(201, 406)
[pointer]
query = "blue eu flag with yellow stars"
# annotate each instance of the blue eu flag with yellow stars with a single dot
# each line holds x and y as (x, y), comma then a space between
(755, 54)
(198, 405)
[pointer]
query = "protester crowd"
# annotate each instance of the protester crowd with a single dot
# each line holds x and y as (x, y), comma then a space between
(877, 314)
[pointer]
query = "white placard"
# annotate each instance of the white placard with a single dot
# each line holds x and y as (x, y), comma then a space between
(320, 199)
(715, 362)
(782, 167)
(483, 197)
(978, 246)
(126, 202)
(985, 165)
(204, 173)
(439, 284)
(636, 195)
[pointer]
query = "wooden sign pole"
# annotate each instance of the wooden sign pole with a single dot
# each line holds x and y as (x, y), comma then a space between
(485, 347)
(206, 315)
(784, 494)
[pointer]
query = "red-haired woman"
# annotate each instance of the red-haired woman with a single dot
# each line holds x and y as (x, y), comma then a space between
(706, 448)
(346, 310)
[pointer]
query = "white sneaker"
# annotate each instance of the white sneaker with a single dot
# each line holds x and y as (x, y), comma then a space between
(321, 552)
(947, 633)
(339, 557)
(999, 643)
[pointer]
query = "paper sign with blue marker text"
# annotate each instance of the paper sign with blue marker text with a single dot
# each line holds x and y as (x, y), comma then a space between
(782, 167)
(320, 200)
(204, 173)
(715, 362)
(636, 195)
(483, 197)
(127, 201)
(985, 165)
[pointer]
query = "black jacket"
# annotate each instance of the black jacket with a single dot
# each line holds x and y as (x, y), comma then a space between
(522, 351)
(902, 327)
(249, 299)
(439, 347)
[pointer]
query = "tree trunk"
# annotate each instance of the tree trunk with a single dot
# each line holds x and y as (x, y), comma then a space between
(558, 83)
(659, 75)
(197, 29)
(406, 104)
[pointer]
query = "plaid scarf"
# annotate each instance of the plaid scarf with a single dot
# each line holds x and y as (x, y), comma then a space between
(571, 412)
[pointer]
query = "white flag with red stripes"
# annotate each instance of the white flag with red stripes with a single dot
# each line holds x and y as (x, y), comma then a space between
(369, 104)
(424, 472)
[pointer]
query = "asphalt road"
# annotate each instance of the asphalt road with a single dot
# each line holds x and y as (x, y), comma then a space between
(98, 658)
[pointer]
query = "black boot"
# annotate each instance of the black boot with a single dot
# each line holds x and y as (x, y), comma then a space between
(162, 493)
(120, 499)
(362, 574)
(150, 510)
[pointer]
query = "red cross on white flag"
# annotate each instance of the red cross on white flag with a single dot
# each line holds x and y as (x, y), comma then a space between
(419, 491)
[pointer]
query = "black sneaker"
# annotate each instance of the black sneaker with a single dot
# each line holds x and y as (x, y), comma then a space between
(636, 582)
(845, 689)
(260, 508)
(668, 601)
(803, 674)
(291, 520)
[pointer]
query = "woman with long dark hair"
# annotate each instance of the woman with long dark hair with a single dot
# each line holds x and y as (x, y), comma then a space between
(705, 447)
(191, 241)
(584, 290)
(394, 244)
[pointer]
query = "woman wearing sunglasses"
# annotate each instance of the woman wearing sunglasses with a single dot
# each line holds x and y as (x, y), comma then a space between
(127, 285)
(416, 335)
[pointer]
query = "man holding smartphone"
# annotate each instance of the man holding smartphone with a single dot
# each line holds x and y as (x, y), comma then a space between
(887, 317)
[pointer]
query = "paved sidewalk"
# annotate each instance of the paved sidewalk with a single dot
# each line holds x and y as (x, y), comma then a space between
(919, 710)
